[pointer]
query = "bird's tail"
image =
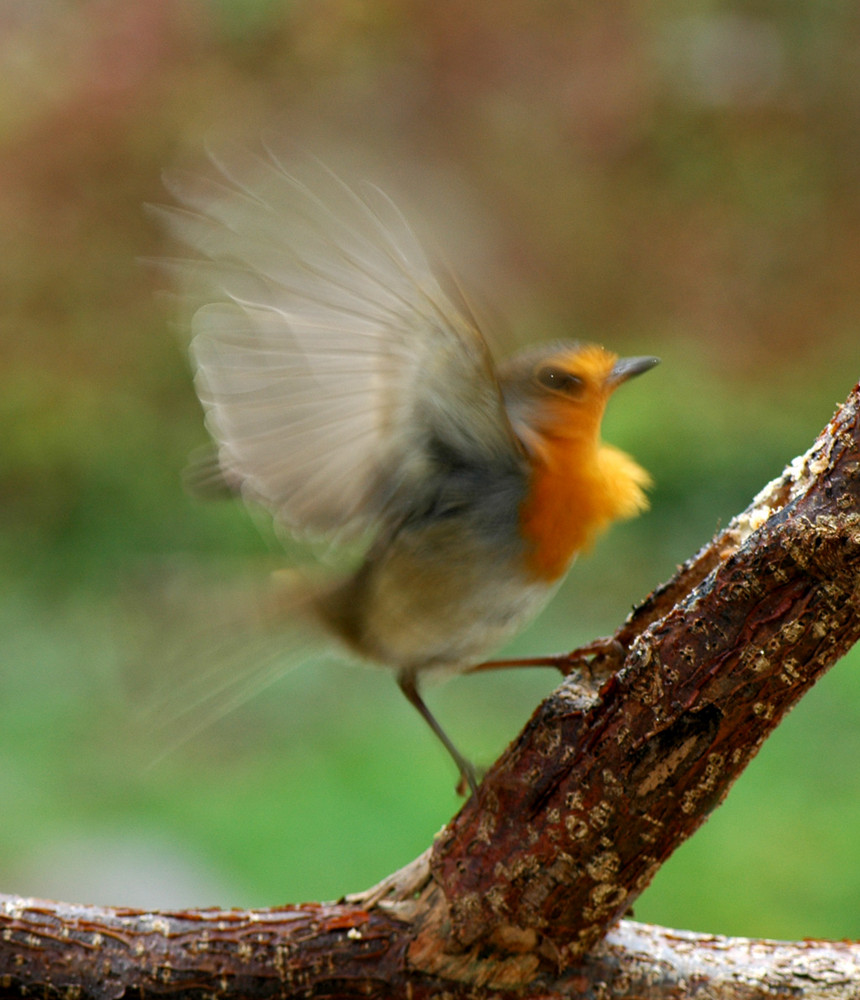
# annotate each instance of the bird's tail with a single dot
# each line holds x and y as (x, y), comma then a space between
(239, 646)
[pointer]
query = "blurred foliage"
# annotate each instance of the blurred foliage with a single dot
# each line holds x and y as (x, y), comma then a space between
(664, 178)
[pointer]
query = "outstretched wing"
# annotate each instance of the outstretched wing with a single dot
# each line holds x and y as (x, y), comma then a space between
(332, 365)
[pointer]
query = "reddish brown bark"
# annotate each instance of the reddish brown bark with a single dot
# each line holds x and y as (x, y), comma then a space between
(341, 951)
(572, 822)
(576, 817)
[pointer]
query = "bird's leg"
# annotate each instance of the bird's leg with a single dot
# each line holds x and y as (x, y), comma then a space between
(599, 658)
(408, 685)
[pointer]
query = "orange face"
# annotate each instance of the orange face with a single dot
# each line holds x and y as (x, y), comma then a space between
(578, 485)
(572, 388)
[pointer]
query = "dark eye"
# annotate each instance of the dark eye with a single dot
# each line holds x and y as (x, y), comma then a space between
(560, 379)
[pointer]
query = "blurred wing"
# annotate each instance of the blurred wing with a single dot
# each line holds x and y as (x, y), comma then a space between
(331, 364)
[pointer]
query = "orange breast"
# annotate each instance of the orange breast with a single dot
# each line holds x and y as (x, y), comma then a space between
(577, 489)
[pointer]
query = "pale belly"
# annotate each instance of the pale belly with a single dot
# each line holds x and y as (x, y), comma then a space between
(436, 607)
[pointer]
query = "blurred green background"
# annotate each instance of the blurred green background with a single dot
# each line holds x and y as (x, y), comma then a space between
(672, 178)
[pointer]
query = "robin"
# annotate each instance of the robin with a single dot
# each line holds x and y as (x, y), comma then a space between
(353, 395)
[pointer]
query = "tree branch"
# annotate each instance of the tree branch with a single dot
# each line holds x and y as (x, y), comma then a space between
(607, 788)
(571, 823)
(343, 951)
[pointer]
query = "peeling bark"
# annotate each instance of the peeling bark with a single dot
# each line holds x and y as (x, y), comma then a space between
(54, 950)
(576, 817)
(516, 896)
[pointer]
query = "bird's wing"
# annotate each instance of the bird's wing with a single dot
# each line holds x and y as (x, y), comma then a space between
(331, 363)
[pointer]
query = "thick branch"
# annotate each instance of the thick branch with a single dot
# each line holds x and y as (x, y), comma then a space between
(577, 816)
(571, 823)
(343, 951)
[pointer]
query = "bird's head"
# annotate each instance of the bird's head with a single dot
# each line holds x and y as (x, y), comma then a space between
(561, 389)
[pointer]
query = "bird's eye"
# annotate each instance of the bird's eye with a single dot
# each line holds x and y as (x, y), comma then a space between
(561, 380)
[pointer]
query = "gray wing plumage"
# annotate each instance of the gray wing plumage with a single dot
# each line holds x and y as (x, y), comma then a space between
(330, 361)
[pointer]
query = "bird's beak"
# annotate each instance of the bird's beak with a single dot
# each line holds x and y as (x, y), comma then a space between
(626, 368)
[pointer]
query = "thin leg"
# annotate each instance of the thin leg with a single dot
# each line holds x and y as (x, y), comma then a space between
(599, 658)
(408, 685)
(558, 660)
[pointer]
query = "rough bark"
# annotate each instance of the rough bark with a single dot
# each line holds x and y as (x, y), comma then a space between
(516, 897)
(608, 787)
(346, 951)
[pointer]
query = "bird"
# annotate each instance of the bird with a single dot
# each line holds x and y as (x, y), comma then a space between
(349, 390)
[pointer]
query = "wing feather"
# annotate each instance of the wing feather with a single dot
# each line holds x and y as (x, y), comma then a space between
(328, 355)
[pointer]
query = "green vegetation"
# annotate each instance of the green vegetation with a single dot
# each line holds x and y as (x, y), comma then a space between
(627, 202)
